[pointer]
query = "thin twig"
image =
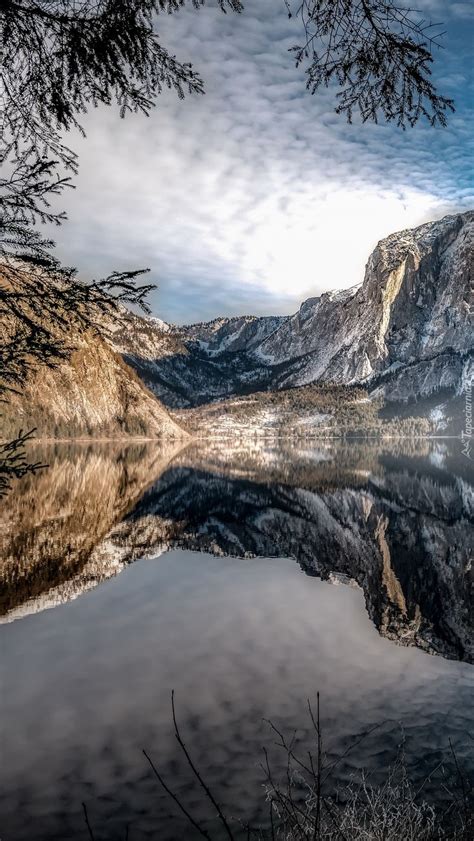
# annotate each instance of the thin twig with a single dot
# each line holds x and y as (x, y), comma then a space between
(176, 799)
(86, 818)
(197, 774)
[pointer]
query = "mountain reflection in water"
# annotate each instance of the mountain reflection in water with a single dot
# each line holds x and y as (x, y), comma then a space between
(395, 520)
(225, 617)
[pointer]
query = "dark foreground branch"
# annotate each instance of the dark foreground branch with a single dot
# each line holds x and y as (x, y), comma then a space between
(14, 463)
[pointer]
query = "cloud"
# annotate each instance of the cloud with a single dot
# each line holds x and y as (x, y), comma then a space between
(257, 194)
(462, 10)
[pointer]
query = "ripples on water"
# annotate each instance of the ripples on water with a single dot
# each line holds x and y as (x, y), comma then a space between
(229, 565)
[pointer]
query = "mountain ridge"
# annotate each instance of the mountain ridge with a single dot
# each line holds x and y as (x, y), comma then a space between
(404, 332)
(404, 335)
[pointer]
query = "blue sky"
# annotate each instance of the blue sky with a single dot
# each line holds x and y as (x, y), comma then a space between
(257, 195)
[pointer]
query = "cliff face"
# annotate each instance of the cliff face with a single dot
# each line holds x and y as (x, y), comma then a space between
(405, 332)
(415, 304)
(242, 333)
(92, 393)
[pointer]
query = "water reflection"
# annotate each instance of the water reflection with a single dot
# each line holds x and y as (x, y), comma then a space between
(395, 521)
(227, 618)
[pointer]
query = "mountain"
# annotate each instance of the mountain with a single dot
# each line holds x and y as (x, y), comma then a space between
(404, 333)
(393, 354)
(91, 393)
(413, 307)
(190, 366)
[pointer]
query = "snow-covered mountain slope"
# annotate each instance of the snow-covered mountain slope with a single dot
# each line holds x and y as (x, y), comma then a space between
(242, 333)
(414, 306)
(192, 365)
(406, 331)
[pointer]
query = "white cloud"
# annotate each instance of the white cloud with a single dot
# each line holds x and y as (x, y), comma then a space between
(257, 194)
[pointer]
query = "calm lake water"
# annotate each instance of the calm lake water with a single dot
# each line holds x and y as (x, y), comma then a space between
(245, 581)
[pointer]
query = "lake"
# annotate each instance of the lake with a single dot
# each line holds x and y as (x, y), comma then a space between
(246, 580)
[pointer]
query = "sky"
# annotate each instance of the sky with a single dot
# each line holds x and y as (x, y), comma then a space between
(257, 195)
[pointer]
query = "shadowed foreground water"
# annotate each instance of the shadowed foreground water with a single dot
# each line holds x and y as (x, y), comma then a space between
(373, 578)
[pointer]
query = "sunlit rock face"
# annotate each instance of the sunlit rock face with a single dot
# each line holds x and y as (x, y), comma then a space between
(398, 523)
(405, 331)
(89, 392)
(413, 305)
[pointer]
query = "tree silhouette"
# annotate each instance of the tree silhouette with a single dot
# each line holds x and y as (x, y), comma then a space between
(14, 461)
(378, 53)
(59, 57)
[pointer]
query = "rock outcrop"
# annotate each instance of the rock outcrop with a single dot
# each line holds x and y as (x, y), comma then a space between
(414, 306)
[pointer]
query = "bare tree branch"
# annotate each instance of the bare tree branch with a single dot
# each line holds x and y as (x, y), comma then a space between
(378, 53)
